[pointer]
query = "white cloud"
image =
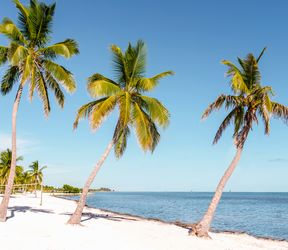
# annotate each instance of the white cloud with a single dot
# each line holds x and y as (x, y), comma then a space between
(24, 146)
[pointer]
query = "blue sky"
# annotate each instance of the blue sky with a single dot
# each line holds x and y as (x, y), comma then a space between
(190, 38)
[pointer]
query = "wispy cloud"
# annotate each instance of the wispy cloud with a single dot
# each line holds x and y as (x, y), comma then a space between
(24, 145)
(278, 160)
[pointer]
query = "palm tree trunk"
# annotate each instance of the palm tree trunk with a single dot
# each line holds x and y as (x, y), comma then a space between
(201, 229)
(9, 186)
(76, 217)
(35, 190)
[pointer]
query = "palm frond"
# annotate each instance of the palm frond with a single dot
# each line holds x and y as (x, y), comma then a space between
(224, 125)
(54, 86)
(264, 113)
(156, 110)
(10, 77)
(237, 82)
(232, 68)
(85, 111)
(147, 84)
(238, 85)
(101, 111)
(32, 84)
(124, 101)
(62, 75)
(251, 75)
(136, 60)
(17, 54)
(40, 19)
(99, 85)
(10, 30)
(120, 137)
(23, 18)
(261, 54)
(119, 63)
(43, 92)
(280, 111)
(26, 70)
(231, 101)
(146, 131)
(3, 54)
(66, 49)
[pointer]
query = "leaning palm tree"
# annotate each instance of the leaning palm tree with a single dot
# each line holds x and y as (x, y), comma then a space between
(250, 101)
(36, 173)
(5, 165)
(135, 109)
(31, 62)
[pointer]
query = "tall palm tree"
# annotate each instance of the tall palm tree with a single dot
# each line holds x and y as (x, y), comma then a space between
(32, 62)
(135, 109)
(36, 173)
(250, 101)
(5, 165)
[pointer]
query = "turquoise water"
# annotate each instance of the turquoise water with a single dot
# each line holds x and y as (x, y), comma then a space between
(259, 214)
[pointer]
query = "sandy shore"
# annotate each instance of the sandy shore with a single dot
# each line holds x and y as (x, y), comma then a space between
(31, 226)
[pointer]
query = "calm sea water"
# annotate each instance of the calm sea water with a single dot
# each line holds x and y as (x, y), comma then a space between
(259, 214)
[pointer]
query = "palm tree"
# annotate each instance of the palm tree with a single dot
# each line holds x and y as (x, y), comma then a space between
(135, 110)
(5, 165)
(25, 179)
(32, 62)
(250, 101)
(36, 173)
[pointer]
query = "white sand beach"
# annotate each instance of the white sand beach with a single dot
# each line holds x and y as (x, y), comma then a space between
(31, 226)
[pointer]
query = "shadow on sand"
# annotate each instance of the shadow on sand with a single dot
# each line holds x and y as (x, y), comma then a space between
(89, 216)
(24, 209)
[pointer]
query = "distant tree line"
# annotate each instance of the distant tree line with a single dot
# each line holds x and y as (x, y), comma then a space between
(71, 189)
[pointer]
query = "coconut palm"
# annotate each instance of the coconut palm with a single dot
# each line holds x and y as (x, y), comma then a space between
(32, 62)
(135, 109)
(5, 165)
(36, 173)
(250, 101)
(25, 179)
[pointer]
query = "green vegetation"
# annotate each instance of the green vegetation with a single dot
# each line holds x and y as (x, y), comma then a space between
(34, 175)
(70, 189)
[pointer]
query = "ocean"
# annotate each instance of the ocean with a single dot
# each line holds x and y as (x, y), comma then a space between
(258, 214)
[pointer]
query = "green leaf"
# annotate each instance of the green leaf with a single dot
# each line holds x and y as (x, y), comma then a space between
(147, 84)
(146, 131)
(54, 86)
(17, 54)
(101, 111)
(156, 110)
(3, 54)
(99, 85)
(10, 77)
(67, 49)
(62, 75)
(85, 110)
(43, 92)
(10, 30)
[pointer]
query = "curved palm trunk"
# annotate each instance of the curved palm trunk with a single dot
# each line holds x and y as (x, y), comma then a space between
(76, 217)
(201, 229)
(9, 186)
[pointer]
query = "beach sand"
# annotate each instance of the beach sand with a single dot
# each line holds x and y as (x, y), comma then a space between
(31, 226)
